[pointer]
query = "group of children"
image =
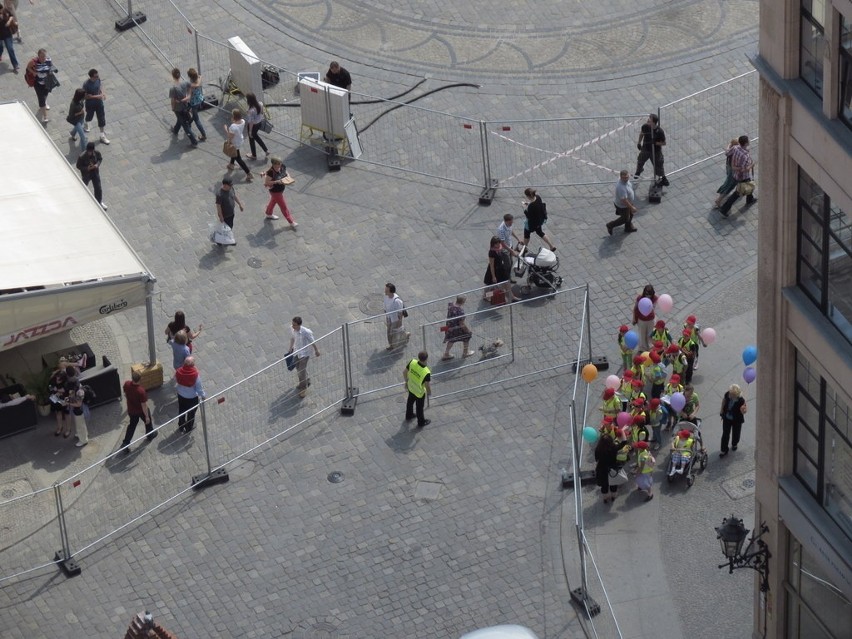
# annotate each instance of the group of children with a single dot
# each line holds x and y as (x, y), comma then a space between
(666, 368)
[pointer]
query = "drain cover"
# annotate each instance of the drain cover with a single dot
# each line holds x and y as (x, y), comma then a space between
(371, 305)
(255, 262)
(335, 477)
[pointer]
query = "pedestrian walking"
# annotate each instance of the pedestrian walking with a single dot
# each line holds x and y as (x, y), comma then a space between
(189, 391)
(535, 211)
(733, 412)
(497, 273)
(180, 349)
(652, 139)
(8, 27)
(456, 329)
(625, 208)
(196, 100)
(95, 97)
(178, 324)
(338, 76)
(645, 463)
(254, 118)
(235, 133)
(179, 96)
(89, 165)
(76, 113)
(644, 322)
(74, 396)
(226, 198)
(742, 167)
(394, 314)
(275, 179)
(137, 408)
(418, 382)
(38, 70)
(507, 234)
(12, 7)
(56, 388)
(605, 462)
(301, 338)
(730, 183)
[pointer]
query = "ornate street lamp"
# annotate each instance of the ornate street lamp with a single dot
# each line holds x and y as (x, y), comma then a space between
(732, 534)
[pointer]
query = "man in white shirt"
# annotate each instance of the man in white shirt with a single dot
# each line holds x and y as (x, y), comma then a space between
(394, 309)
(301, 338)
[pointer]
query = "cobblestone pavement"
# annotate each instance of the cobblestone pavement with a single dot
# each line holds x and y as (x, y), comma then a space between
(430, 534)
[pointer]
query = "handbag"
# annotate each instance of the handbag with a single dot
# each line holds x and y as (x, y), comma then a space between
(617, 477)
(265, 125)
(290, 360)
(229, 149)
(745, 188)
(223, 235)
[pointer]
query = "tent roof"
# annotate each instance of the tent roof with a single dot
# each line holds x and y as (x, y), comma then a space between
(54, 232)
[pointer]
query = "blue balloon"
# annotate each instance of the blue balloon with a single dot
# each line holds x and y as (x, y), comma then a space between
(749, 355)
(590, 434)
(631, 339)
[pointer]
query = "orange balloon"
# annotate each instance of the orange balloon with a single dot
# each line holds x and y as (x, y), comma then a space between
(590, 373)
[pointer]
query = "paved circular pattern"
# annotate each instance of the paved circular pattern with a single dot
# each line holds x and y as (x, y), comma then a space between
(532, 42)
(255, 262)
(335, 477)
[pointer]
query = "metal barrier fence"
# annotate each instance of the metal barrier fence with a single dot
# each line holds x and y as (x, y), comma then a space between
(86, 509)
(467, 150)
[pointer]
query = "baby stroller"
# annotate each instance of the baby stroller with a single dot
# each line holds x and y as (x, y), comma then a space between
(684, 462)
(541, 267)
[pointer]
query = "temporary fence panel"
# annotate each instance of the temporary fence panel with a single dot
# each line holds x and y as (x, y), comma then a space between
(267, 405)
(698, 127)
(587, 150)
(419, 140)
(168, 31)
(31, 533)
(119, 489)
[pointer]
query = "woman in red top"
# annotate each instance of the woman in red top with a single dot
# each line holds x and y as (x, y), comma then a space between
(644, 323)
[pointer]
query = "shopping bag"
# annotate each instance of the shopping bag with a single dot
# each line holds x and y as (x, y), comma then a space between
(222, 234)
(617, 477)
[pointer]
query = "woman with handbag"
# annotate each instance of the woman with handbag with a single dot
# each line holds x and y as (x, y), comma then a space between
(254, 120)
(76, 113)
(276, 180)
(236, 134)
(196, 100)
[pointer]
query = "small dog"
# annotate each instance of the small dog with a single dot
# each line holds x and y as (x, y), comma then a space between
(489, 349)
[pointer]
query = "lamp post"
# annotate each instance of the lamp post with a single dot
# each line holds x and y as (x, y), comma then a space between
(731, 535)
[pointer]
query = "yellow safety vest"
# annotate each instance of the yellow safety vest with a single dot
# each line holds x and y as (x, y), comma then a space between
(647, 459)
(612, 406)
(416, 375)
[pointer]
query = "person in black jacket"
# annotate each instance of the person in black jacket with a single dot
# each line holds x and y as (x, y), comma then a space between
(605, 456)
(536, 213)
(89, 164)
(733, 415)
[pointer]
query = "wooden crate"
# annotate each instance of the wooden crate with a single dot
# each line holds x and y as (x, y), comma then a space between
(152, 375)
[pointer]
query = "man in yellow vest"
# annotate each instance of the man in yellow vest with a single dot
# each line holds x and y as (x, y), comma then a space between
(417, 378)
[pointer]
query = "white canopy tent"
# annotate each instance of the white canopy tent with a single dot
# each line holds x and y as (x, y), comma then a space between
(62, 260)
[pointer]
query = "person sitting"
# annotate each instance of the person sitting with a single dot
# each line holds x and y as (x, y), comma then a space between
(681, 450)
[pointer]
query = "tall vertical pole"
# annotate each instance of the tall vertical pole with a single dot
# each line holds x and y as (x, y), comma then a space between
(578, 501)
(512, 329)
(210, 477)
(588, 305)
(197, 51)
(149, 316)
(483, 145)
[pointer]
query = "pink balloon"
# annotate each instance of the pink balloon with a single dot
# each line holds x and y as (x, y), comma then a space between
(623, 419)
(665, 303)
(708, 335)
(646, 305)
(749, 374)
(613, 382)
(677, 401)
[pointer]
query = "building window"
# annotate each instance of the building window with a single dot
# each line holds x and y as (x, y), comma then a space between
(816, 608)
(824, 263)
(812, 43)
(822, 458)
(846, 71)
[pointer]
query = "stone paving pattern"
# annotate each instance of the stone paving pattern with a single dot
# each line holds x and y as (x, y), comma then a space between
(280, 551)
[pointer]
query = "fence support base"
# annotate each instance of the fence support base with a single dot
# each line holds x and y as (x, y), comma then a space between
(587, 478)
(130, 21)
(216, 477)
(579, 596)
(488, 193)
(350, 402)
(70, 567)
(601, 363)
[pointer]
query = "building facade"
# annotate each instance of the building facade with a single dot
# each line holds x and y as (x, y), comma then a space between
(804, 381)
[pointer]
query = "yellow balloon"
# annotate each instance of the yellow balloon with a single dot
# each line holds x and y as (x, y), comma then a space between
(646, 358)
(590, 373)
